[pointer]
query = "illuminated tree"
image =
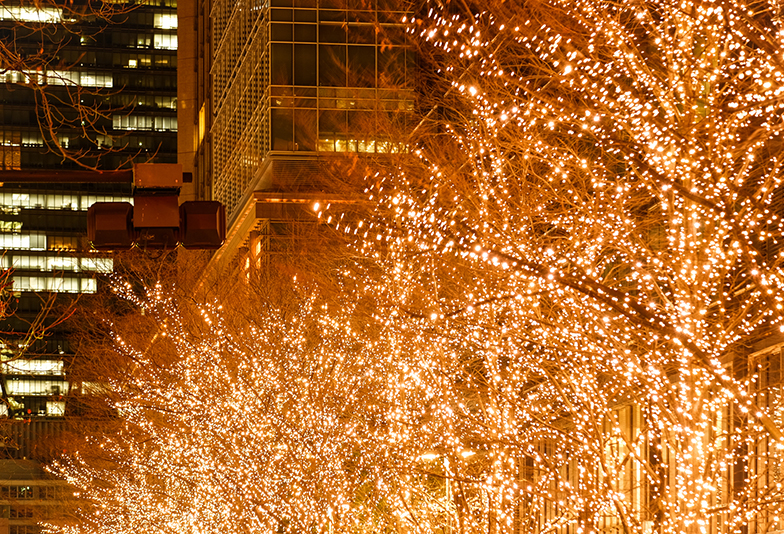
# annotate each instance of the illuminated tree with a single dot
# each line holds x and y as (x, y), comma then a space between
(263, 409)
(588, 228)
(551, 323)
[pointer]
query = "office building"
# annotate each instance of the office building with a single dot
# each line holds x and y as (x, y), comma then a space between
(104, 90)
(271, 90)
(88, 91)
(25, 490)
(92, 91)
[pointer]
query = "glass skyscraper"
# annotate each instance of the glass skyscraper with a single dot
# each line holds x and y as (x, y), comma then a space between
(280, 87)
(94, 91)
(86, 89)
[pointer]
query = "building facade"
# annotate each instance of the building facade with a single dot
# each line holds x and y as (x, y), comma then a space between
(88, 89)
(26, 492)
(278, 87)
(82, 88)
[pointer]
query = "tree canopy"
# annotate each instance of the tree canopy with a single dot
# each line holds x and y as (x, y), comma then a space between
(553, 314)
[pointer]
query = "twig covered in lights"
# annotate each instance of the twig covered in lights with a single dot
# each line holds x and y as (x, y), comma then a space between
(564, 317)
(616, 167)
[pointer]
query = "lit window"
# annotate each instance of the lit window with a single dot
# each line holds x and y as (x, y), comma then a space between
(103, 140)
(62, 242)
(89, 285)
(132, 63)
(163, 41)
(367, 146)
(31, 14)
(31, 139)
(61, 263)
(143, 41)
(54, 284)
(14, 241)
(62, 77)
(37, 263)
(132, 122)
(99, 265)
(10, 226)
(165, 21)
(33, 367)
(326, 145)
(168, 102)
(17, 386)
(163, 124)
(95, 79)
(55, 408)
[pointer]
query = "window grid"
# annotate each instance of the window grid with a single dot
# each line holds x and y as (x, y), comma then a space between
(10, 201)
(241, 115)
(245, 37)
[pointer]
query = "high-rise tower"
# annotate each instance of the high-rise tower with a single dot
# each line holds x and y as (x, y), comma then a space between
(87, 90)
(99, 87)
(90, 89)
(279, 87)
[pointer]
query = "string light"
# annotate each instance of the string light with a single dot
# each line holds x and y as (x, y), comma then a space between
(549, 325)
(599, 235)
